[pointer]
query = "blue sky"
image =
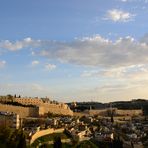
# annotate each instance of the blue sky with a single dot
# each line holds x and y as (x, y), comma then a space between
(78, 50)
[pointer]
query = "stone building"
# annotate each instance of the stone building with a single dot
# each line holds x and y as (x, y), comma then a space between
(9, 119)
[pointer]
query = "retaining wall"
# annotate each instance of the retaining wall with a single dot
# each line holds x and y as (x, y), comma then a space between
(45, 132)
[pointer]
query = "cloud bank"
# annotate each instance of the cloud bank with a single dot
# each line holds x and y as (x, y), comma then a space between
(89, 51)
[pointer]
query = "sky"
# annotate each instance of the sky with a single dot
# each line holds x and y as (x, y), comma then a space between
(74, 50)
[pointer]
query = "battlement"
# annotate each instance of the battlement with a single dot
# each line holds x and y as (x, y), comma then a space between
(21, 111)
(43, 106)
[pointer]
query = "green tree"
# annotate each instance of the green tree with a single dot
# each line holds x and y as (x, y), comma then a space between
(10, 98)
(12, 138)
(22, 141)
(57, 142)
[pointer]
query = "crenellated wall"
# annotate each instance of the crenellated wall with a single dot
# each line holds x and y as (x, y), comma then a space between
(21, 111)
(55, 109)
(97, 112)
(42, 107)
(36, 111)
(129, 112)
(116, 112)
(46, 106)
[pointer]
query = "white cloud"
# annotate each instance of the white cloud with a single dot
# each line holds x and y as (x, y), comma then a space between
(2, 64)
(93, 51)
(138, 1)
(133, 72)
(35, 62)
(98, 51)
(25, 89)
(13, 46)
(119, 16)
(124, 0)
(50, 67)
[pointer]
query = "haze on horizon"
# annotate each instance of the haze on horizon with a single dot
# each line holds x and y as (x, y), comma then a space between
(78, 50)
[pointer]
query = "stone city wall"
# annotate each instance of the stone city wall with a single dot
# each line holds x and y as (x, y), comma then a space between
(116, 112)
(100, 112)
(129, 112)
(45, 107)
(52, 108)
(21, 111)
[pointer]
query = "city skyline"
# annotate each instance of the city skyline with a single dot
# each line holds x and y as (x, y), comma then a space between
(78, 50)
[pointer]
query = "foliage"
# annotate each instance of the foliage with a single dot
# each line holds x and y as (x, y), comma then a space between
(50, 137)
(12, 138)
(117, 143)
(52, 115)
(86, 144)
(17, 104)
(57, 142)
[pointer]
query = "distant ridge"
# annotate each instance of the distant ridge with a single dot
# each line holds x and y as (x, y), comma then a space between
(133, 104)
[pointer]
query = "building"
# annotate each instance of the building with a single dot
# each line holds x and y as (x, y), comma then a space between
(16, 121)
(29, 101)
(9, 119)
